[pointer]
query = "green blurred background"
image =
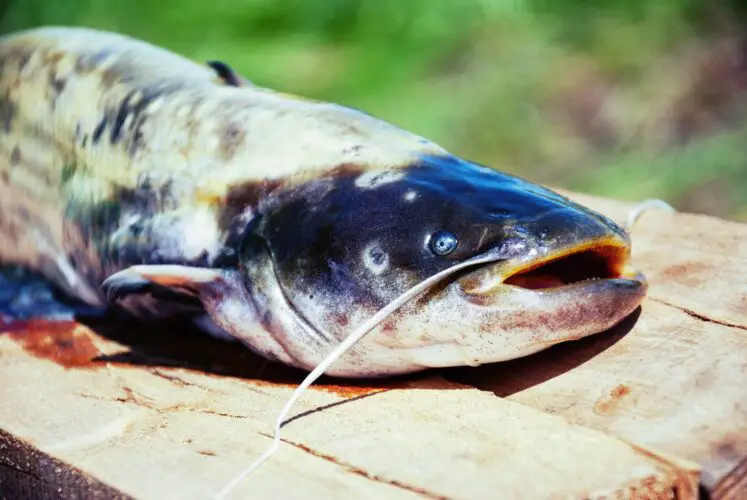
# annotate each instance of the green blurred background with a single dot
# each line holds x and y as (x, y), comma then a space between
(631, 99)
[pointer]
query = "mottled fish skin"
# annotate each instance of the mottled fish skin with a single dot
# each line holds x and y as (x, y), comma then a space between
(186, 186)
(136, 144)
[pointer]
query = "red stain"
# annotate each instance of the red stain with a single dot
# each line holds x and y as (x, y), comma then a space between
(70, 344)
(353, 389)
(66, 343)
(620, 391)
(689, 273)
(609, 403)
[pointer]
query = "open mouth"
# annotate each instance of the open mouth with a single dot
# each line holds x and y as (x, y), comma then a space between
(572, 266)
(597, 263)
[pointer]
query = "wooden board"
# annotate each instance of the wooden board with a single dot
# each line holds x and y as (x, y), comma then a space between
(642, 411)
(676, 378)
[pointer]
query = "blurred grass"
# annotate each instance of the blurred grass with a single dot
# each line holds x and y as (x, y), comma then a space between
(629, 98)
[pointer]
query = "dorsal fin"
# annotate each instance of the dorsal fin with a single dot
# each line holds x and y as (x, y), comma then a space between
(227, 75)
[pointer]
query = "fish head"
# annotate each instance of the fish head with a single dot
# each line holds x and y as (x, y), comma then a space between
(530, 267)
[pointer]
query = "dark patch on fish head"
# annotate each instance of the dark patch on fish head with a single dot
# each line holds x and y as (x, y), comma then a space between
(252, 193)
(344, 246)
(369, 236)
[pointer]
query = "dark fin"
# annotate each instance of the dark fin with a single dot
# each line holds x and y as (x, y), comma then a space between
(122, 284)
(228, 75)
(154, 304)
(200, 293)
(185, 279)
(154, 292)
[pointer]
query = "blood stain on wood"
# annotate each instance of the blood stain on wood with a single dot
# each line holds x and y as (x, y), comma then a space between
(609, 402)
(352, 389)
(686, 273)
(69, 344)
(66, 343)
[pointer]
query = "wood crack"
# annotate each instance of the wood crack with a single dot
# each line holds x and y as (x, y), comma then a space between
(131, 397)
(696, 315)
(176, 380)
(361, 472)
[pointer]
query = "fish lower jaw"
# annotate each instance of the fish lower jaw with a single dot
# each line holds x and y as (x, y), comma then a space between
(548, 286)
(628, 293)
(532, 323)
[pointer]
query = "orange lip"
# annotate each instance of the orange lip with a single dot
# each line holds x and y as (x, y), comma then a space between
(603, 258)
(612, 250)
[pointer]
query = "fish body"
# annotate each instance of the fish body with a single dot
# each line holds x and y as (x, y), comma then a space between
(136, 178)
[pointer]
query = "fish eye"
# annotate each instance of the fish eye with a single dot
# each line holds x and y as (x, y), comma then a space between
(443, 242)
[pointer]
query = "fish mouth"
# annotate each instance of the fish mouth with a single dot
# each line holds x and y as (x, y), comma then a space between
(588, 264)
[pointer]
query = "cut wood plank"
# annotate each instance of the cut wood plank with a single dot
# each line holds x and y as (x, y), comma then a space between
(673, 382)
(25, 472)
(677, 380)
(165, 432)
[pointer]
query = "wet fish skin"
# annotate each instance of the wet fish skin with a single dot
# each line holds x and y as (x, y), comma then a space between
(131, 175)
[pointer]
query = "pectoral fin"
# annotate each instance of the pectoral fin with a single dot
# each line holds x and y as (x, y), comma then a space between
(161, 291)
(157, 292)
(181, 279)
